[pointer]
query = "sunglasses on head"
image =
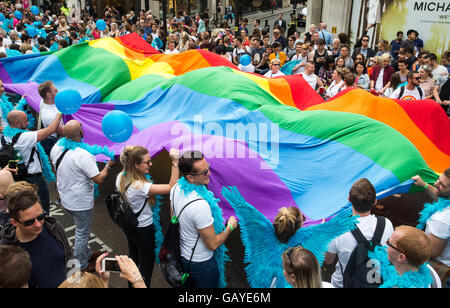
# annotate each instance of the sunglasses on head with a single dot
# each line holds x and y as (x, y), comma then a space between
(30, 222)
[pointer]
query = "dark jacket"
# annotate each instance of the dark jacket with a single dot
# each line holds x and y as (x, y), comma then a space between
(370, 53)
(8, 236)
(388, 72)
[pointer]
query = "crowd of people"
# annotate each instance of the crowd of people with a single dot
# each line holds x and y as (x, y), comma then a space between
(34, 250)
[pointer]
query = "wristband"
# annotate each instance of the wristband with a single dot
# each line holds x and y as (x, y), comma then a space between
(231, 227)
(426, 186)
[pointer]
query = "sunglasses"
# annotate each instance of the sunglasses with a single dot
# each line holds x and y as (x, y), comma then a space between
(30, 222)
(275, 64)
(365, 40)
(204, 172)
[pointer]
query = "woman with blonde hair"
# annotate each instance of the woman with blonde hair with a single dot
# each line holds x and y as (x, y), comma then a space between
(302, 270)
(426, 81)
(139, 191)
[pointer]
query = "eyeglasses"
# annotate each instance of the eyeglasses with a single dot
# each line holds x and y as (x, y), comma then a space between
(204, 172)
(146, 162)
(393, 247)
(30, 222)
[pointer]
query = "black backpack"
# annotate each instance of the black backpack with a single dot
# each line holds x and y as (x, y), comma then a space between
(402, 91)
(170, 253)
(357, 271)
(121, 212)
(7, 152)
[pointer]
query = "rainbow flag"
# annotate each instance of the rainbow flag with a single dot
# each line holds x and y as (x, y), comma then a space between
(274, 139)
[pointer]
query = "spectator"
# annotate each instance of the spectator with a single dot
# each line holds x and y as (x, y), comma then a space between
(349, 80)
(422, 60)
(403, 70)
(381, 75)
(77, 172)
(140, 192)
(278, 54)
(312, 79)
(319, 55)
(362, 78)
(442, 92)
(302, 56)
(198, 227)
(281, 23)
(308, 35)
(364, 49)
(290, 50)
(324, 34)
(363, 197)
(426, 81)
(326, 71)
(411, 91)
(438, 70)
(15, 267)
(245, 38)
(264, 66)
(274, 71)
(340, 62)
(338, 82)
(394, 83)
(279, 38)
(336, 48)
(360, 59)
(239, 50)
(345, 54)
(396, 44)
(302, 270)
(41, 236)
(6, 180)
(171, 48)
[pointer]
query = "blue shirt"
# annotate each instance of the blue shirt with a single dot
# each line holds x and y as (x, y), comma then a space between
(48, 261)
(324, 34)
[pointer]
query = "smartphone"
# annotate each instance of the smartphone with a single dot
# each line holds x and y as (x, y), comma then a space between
(110, 265)
(12, 164)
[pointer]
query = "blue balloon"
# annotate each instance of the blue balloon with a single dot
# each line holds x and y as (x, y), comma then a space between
(35, 10)
(32, 31)
(2, 17)
(68, 101)
(245, 60)
(18, 15)
(117, 126)
(101, 25)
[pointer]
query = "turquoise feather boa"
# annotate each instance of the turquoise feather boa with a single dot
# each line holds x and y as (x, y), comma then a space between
(7, 107)
(156, 210)
(391, 279)
(220, 254)
(430, 209)
(9, 131)
(68, 144)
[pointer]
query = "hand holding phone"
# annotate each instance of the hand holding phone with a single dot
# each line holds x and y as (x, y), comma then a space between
(12, 164)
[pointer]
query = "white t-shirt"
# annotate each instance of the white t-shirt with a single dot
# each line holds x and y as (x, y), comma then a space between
(438, 72)
(439, 225)
(303, 60)
(48, 114)
(26, 142)
(311, 80)
(344, 245)
(334, 88)
(196, 216)
(136, 195)
(379, 83)
(269, 74)
(174, 51)
(408, 95)
(248, 68)
(73, 178)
